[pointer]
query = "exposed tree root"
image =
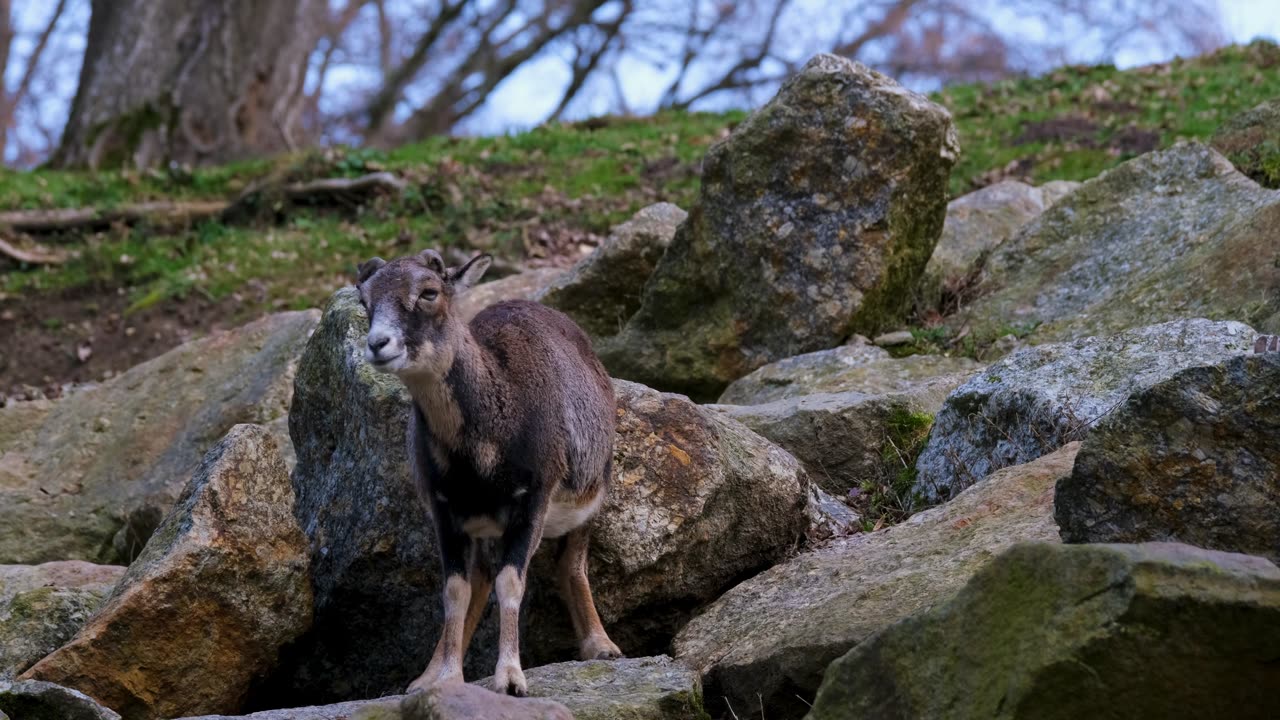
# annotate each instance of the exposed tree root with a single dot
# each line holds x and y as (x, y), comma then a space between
(31, 253)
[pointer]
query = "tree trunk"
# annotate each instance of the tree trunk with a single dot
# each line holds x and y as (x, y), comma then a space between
(190, 81)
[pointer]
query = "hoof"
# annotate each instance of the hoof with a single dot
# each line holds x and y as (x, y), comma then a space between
(429, 680)
(510, 680)
(600, 649)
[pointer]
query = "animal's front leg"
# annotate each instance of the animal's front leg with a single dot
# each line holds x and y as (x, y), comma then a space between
(520, 540)
(446, 663)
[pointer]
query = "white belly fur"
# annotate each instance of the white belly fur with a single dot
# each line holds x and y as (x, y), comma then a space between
(563, 517)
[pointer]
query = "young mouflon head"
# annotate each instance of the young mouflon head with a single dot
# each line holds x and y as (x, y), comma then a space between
(408, 302)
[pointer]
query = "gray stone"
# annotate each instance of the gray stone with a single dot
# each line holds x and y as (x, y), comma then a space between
(525, 285)
(1041, 397)
(857, 367)
(1054, 632)
(829, 516)
(385, 708)
(816, 217)
(647, 688)
(202, 613)
(471, 702)
(763, 646)
(89, 476)
(980, 222)
(895, 338)
(1195, 458)
(1177, 233)
(43, 606)
(603, 290)
(849, 439)
(34, 700)
(697, 502)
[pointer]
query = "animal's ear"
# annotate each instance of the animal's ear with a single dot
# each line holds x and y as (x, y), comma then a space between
(368, 268)
(432, 260)
(470, 274)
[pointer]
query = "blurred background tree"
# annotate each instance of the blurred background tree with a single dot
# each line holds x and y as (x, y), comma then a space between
(189, 81)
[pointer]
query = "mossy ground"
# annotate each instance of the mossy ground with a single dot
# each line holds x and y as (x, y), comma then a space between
(542, 195)
(891, 498)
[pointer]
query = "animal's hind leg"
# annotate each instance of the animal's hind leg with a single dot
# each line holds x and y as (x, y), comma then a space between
(481, 585)
(593, 641)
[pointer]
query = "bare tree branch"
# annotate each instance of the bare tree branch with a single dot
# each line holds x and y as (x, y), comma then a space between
(584, 67)
(380, 108)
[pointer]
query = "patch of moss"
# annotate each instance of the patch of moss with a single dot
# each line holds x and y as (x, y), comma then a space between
(891, 498)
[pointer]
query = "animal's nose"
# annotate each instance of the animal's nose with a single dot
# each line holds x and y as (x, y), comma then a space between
(378, 342)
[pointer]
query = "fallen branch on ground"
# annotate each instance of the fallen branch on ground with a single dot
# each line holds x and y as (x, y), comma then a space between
(170, 214)
(32, 254)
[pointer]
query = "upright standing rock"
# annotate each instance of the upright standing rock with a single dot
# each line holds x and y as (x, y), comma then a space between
(816, 218)
(205, 608)
(1194, 459)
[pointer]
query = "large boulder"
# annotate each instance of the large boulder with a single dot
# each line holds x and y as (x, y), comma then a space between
(816, 217)
(89, 477)
(1053, 632)
(204, 610)
(383, 708)
(764, 645)
(35, 700)
(697, 502)
(603, 290)
(521, 286)
(1039, 398)
(850, 439)
(647, 688)
(1251, 140)
(43, 606)
(1177, 233)
(856, 367)
(1195, 459)
(980, 222)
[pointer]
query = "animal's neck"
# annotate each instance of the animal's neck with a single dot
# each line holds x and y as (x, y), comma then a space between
(465, 364)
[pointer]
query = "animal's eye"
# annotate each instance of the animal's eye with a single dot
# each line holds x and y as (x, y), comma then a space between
(428, 295)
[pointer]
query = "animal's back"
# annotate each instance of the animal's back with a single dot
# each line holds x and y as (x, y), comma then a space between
(549, 360)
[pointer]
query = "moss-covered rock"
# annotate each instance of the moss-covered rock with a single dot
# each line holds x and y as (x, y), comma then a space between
(856, 367)
(763, 646)
(1251, 141)
(647, 688)
(603, 290)
(816, 217)
(1173, 234)
(43, 606)
(1195, 458)
(1053, 632)
(204, 610)
(850, 439)
(89, 476)
(1041, 397)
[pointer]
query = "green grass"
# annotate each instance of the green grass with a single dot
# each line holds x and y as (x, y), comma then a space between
(540, 191)
(1183, 99)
